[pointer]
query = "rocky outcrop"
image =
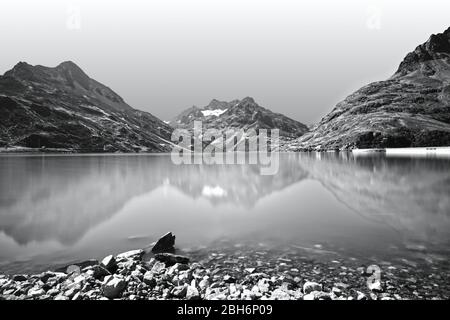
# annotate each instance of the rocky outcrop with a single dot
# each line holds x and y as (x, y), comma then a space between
(165, 244)
(411, 109)
(63, 108)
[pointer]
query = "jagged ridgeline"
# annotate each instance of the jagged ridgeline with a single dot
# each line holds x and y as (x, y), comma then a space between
(63, 108)
(410, 109)
(241, 116)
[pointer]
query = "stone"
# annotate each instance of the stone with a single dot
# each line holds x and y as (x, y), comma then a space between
(158, 267)
(133, 254)
(36, 292)
(360, 296)
(177, 267)
(279, 294)
(179, 292)
(165, 244)
(192, 293)
(136, 274)
(203, 284)
(76, 267)
(19, 278)
(71, 292)
(229, 279)
(308, 296)
(73, 270)
(149, 279)
(336, 291)
(99, 272)
(263, 285)
(114, 287)
(109, 263)
(375, 286)
(53, 292)
(311, 286)
(170, 259)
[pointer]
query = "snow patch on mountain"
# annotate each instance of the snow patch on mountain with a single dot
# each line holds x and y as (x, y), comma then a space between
(215, 113)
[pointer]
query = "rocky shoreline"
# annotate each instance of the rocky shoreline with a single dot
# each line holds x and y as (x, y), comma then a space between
(236, 273)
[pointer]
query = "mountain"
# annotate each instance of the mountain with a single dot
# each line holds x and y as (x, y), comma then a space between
(63, 108)
(238, 114)
(410, 109)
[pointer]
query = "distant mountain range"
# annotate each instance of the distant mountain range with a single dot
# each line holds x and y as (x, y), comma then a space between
(238, 114)
(410, 109)
(62, 108)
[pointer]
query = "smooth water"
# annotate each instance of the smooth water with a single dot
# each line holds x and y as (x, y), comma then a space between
(55, 209)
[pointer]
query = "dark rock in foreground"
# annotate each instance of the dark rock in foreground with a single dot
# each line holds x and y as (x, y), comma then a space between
(165, 244)
(171, 259)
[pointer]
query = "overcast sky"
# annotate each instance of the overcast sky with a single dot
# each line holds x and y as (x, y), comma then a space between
(294, 57)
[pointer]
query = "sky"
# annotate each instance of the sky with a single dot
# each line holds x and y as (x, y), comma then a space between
(294, 57)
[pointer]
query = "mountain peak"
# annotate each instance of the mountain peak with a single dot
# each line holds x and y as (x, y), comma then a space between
(21, 68)
(21, 65)
(248, 100)
(68, 65)
(435, 48)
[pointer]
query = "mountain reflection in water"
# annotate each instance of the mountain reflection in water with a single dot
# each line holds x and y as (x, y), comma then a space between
(50, 203)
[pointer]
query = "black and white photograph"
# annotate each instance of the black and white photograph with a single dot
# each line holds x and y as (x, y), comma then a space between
(238, 151)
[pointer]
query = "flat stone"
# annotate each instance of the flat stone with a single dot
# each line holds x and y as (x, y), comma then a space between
(36, 292)
(309, 286)
(19, 278)
(133, 254)
(170, 259)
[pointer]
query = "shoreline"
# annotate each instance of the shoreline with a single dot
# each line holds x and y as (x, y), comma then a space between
(388, 151)
(231, 273)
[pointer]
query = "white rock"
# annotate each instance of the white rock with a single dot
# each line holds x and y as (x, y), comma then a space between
(308, 296)
(279, 294)
(36, 292)
(192, 293)
(114, 287)
(375, 286)
(309, 286)
(361, 296)
(131, 254)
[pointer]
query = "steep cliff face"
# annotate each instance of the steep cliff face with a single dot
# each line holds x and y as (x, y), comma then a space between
(411, 109)
(64, 108)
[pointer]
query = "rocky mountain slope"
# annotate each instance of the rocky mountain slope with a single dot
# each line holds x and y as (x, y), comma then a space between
(410, 109)
(238, 114)
(63, 108)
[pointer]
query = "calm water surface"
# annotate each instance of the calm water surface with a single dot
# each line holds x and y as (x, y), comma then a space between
(56, 209)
